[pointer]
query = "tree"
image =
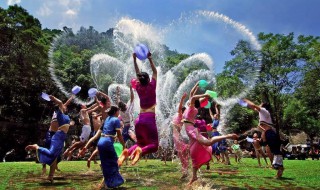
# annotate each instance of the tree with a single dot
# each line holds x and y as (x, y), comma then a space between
(23, 65)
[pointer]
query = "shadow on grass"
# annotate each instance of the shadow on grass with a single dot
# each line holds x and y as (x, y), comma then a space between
(49, 184)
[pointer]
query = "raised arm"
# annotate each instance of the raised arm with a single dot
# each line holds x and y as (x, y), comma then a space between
(58, 102)
(131, 94)
(69, 100)
(252, 106)
(211, 114)
(153, 67)
(181, 103)
(217, 110)
(135, 64)
(194, 90)
(196, 97)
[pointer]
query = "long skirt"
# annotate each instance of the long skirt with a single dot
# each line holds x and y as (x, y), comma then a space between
(183, 150)
(109, 158)
(146, 133)
(49, 155)
(200, 154)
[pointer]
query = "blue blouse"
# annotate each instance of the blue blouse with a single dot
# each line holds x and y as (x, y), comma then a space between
(62, 118)
(110, 126)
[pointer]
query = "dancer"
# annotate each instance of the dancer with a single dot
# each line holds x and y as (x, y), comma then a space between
(200, 147)
(201, 125)
(215, 117)
(269, 136)
(145, 124)
(126, 117)
(50, 156)
(181, 146)
(258, 149)
(215, 123)
(103, 105)
(54, 125)
(85, 133)
(96, 122)
(108, 132)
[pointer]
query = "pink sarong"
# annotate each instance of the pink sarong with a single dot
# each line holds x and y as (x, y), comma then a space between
(200, 154)
(181, 147)
(146, 133)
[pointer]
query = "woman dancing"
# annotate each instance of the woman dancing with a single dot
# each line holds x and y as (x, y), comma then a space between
(145, 124)
(50, 156)
(181, 146)
(108, 132)
(54, 125)
(200, 147)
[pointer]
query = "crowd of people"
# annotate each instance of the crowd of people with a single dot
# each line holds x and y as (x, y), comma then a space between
(195, 140)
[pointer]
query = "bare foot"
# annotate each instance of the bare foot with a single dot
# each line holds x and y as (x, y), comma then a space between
(136, 155)
(279, 173)
(102, 185)
(184, 176)
(124, 155)
(192, 180)
(32, 147)
(50, 178)
(58, 169)
(95, 162)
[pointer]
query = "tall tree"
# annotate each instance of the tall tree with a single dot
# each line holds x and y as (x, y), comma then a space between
(23, 65)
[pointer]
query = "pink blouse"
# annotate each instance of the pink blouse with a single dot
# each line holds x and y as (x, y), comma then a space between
(190, 114)
(147, 94)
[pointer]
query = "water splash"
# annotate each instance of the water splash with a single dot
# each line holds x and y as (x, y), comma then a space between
(12, 151)
(108, 72)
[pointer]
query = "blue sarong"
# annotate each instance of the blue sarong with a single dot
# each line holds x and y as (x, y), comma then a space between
(109, 163)
(49, 155)
(47, 143)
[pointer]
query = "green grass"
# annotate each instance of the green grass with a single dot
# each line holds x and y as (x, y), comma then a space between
(154, 175)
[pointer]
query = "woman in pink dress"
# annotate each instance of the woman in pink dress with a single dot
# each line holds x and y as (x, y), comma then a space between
(200, 147)
(145, 124)
(181, 147)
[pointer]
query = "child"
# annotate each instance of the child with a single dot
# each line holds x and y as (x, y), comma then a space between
(258, 149)
(237, 151)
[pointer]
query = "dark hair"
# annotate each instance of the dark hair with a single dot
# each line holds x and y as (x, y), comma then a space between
(103, 100)
(122, 106)
(197, 104)
(183, 108)
(112, 110)
(143, 78)
(266, 105)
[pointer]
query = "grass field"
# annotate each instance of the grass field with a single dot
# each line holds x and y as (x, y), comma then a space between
(153, 174)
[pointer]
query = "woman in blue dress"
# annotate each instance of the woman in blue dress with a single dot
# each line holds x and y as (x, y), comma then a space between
(107, 133)
(50, 155)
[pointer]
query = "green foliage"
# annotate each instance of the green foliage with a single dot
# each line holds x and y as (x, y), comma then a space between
(23, 63)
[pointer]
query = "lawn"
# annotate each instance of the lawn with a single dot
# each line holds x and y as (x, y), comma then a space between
(153, 174)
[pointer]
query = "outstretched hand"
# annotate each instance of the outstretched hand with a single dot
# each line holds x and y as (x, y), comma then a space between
(232, 136)
(149, 55)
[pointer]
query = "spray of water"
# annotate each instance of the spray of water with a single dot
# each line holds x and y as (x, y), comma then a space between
(129, 32)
